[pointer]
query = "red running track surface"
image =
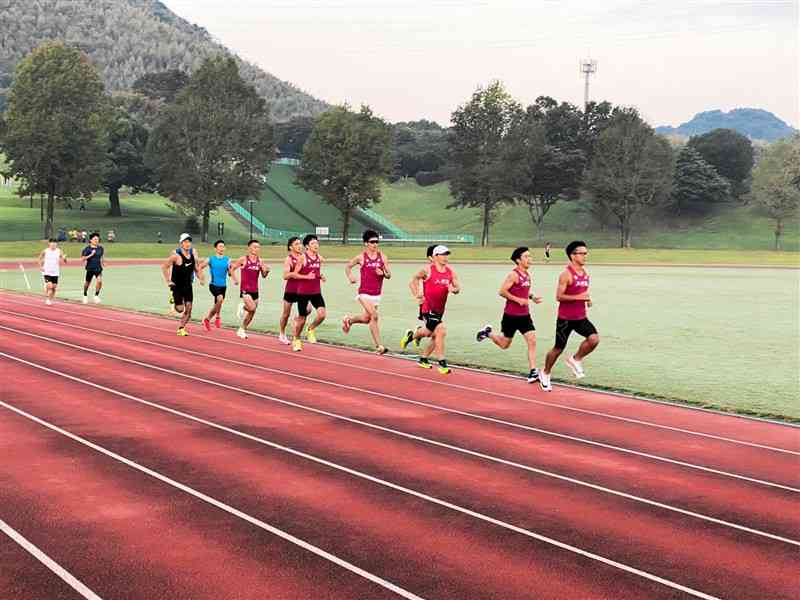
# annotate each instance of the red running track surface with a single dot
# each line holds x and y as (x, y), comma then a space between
(393, 481)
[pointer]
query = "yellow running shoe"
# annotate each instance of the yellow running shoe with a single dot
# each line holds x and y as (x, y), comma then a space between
(443, 368)
(297, 345)
(182, 332)
(424, 363)
(407, 337)
(311, 336)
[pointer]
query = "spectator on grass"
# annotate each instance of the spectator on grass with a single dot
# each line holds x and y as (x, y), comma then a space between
(82, 205)
(62, 235)
(73, 235)
(111, 236)
(158, 235)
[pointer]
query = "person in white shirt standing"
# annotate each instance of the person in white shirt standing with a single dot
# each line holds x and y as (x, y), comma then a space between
(50, 261)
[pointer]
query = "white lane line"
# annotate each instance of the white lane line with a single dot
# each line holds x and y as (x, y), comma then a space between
(457, 386)
(327, 463)
(210, 500)
(48, 562)
(367, 424)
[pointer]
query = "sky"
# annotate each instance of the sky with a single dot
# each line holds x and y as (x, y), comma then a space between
(417, 59)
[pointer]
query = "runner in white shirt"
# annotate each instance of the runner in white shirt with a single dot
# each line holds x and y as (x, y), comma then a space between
(50, 261)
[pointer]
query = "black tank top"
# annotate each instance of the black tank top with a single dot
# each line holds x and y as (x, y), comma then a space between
(182, 274)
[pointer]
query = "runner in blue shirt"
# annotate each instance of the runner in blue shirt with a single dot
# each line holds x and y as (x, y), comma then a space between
(92, 255)
(219, 266)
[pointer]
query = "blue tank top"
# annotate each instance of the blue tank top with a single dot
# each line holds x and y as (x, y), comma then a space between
(219, 270)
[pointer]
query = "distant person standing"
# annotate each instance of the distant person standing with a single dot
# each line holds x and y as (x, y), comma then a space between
(517, 292)
(93, 256)
(111, 236)
(50, 261)
(219, 267)
(252, 269)
(309, 293)
(292, 277)
(179, 271)
(374, 270)
(547, 247)
(573, 300)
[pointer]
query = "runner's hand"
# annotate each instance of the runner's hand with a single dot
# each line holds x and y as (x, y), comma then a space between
(588, 304)
(420, 300)
(353, 280)
(523, 301)
(323, 279)
(379, 272)
(536, 299)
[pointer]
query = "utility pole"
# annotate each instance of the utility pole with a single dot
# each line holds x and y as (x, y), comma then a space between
(588, 68)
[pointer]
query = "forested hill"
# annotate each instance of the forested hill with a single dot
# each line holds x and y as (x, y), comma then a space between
(126, 39)
(755, 123)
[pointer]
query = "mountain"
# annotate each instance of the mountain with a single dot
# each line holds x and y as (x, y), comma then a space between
(128, 38)
(755, 123)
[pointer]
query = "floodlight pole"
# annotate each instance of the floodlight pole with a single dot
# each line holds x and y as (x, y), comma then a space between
(251, 218)
(588, 68)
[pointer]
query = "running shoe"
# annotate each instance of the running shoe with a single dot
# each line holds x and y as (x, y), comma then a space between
(576, 367)
(483, 333)
(534, 375)
(48, 302)
(443, 368)
(311, 336)
(297, 345)
(346, 323)
(217, 322)
(283, 339)
(380, 349)
(207, 324)
(424, 363)
(170, 298)
(182, 332)
(240, 311)
(241, 333)
(544, 381)
(85, 300)
(408, 337)
(96, 300)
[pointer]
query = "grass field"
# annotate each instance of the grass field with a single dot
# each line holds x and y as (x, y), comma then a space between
(722, 338)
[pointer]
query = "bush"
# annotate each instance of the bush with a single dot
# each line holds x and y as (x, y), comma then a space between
(425, 178)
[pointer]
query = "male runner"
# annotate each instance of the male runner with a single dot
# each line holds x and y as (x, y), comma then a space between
(573, 299)
(219, 266)
(374, 269)
(50, 261)
(251, 267)
(438, 280)
(516, 290)
(292, 277)
(179, 271)
(94, 257)
(309, 292)
(547, 247)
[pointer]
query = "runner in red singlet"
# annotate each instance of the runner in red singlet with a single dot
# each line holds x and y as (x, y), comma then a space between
(309, 290)
(438, 281)
(517, 291)
(252, 268)
(291, 274)
(374, 270)
(573, 298)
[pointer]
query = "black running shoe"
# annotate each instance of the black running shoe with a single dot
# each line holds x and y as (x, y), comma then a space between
(424, 363)
(533, 376)
(483, 333)
(443, 368)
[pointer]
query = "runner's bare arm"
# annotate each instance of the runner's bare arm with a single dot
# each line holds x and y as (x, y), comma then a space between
(198, 269)
(264, 270)
(166, 268)
(234, 267)
(348, 268)
(563, 281)
(511, 279)
(41, 259)
(287, 269)
(63, 256)
(415, 285)
(455, 285)
(387, 274)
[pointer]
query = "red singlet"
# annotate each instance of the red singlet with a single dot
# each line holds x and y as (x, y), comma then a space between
(250, 272)
(574, 310)
(292, 284)
(521, 289)
(371, 283)
(435, 290)
(310, 287)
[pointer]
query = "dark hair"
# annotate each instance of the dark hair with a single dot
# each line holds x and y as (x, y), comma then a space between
(308, 238)
(572, 246)
(253, 242)
(218, 242)
(429, 252)
(291, 241)
(369, 234)
(94, 235)
(51, 240)
(518, 252)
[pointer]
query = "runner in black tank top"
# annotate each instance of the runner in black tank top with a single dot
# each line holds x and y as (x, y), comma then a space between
(178, 272)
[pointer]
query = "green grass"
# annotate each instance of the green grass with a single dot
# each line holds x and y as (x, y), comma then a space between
(721, 338)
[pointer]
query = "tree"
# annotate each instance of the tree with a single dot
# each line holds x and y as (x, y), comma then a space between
(127, 146)
(730, 153)
(632, 168)
(419, 146)
(775, 183)
(214, 142)
(164, 85)
(53, 133)
(345, 158)
(697, 186)
(290, 137)
(478, 173)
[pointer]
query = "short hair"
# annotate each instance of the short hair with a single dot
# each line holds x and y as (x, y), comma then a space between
(251, 242)
(429, 252)
(51, 240)
(572, 246)
(218, 242)
(369, 234)
(308, 238)
(291, 241)
(94, 235)
(518, 252)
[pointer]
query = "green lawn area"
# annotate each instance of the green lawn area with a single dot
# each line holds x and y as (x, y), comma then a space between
(724, 338)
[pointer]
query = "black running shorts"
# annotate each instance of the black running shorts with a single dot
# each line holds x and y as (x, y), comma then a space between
(90, 273)
(511, 324)
(303, 300)
(432, 320)
(182, 295)
(51, 279)
(217, 290)
(564, 327)
(253, 295)
(291, 297)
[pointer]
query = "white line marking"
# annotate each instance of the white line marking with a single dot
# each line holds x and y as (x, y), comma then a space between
(321, 461)
(365, 423)
(464, 387)
(48, 562)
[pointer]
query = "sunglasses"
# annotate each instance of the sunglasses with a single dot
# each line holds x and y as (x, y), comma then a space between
(373, 241)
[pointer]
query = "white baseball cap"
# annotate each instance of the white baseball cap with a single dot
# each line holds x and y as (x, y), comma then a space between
(184, 236)
(439, 250)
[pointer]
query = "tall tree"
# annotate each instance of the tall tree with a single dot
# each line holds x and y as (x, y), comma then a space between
(775, 183)
(127, 145)
(164, 85)
(345, 158)
(632, 168)
(730, 153)
(214, 142)
(291, 136)
(53, 133)
(478, 173)
(697, 186)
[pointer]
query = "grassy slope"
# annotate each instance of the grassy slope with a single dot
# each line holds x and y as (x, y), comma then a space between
(706, 336)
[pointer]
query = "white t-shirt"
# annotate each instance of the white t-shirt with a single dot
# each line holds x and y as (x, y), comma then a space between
(52, 262)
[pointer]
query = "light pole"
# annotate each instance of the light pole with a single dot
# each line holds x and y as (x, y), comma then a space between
(250, 201)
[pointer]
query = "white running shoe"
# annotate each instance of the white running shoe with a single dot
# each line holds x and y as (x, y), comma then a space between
(544, 382)
(240, 311)
(283, 339)
(241, 333)
(576, 367)
(96, 300)
(85, 300)
(48, 302)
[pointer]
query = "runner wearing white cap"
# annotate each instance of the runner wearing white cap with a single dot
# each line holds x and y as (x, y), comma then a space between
(179, 271)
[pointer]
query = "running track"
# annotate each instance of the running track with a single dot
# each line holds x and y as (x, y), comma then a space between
(140, 465)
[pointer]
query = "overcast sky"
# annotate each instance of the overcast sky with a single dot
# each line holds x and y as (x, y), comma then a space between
(417, 59)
